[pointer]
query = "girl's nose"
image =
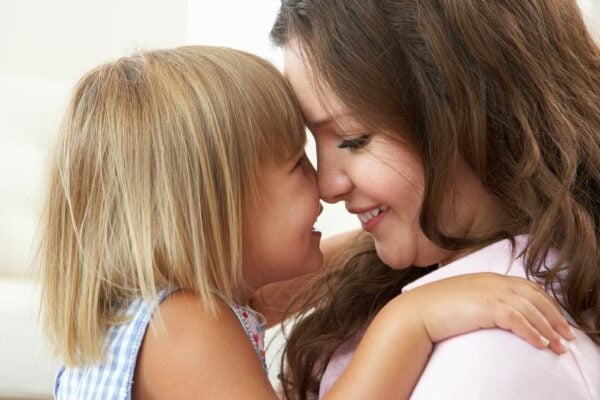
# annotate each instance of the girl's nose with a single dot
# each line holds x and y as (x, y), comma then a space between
(334, 183)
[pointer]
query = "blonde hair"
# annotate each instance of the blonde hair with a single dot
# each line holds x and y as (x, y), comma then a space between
(158, 154)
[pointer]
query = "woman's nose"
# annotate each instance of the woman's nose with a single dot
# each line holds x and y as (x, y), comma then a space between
(334, 183)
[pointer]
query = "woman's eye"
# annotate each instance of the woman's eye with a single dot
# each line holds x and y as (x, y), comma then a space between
(354, 144)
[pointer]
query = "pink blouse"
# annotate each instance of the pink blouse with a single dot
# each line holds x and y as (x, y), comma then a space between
(494, 364)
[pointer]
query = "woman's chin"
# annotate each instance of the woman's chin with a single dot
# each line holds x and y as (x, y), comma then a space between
(392, 259)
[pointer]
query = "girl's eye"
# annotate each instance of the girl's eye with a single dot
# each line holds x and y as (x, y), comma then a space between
(304, 166)
(301, 162)
(354, 144)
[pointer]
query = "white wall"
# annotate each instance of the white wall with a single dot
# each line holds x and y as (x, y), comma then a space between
(591, 13)
(63, 38)
(45, 47)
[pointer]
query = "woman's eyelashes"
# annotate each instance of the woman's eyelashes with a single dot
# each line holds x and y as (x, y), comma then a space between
(355, 144)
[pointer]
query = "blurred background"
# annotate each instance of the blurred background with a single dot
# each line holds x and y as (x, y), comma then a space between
(45, 46)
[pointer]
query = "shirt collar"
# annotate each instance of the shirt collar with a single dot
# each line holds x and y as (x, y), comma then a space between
(498, 257)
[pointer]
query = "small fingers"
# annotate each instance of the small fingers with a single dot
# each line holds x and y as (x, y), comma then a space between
(525, 284)
(511, 319)
(548, 308)
(539, 322)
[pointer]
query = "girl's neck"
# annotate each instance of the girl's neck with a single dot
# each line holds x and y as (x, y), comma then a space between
(243, 295)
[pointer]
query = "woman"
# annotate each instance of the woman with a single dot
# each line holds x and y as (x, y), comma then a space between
(462, 134)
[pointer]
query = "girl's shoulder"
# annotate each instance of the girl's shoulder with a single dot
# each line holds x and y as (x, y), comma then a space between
(188, 351)
(111, 378)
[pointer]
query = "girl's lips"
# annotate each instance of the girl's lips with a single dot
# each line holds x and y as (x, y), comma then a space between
(370, 225)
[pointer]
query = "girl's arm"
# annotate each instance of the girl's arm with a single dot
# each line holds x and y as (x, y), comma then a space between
(189, 354)
(395, 348)
(272, 300)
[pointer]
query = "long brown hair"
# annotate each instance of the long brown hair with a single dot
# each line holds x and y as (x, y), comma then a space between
(511, 87)
(335, 308)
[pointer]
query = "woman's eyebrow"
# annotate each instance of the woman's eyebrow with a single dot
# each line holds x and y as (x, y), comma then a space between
(335, 118)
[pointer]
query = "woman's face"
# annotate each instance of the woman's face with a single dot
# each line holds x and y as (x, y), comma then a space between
(381, 181)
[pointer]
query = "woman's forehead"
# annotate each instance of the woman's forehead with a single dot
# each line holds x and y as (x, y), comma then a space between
(317, 101)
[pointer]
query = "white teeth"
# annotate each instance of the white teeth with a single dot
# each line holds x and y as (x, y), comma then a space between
(367, 216)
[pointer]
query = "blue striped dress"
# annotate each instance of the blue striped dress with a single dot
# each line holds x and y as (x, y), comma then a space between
(112, 379)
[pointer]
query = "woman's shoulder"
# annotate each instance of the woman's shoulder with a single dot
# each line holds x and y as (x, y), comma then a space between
(496, 364)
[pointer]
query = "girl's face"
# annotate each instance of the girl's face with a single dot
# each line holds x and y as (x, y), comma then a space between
(381, 181)
(278, 234)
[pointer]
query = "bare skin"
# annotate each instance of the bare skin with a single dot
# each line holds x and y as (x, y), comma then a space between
(190, 354)
(273, 300)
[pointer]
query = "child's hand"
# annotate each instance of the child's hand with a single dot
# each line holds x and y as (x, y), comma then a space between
(400, 336)
(461, 304)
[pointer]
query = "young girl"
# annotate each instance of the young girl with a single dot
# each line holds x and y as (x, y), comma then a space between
(466, 135)
(180, 184)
